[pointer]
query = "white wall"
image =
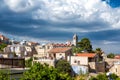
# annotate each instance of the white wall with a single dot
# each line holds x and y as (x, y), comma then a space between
(115, 69)
(77, 60)
(60, 55)
(1, 38)
(28, 49)
(17, 49)
(40, 50)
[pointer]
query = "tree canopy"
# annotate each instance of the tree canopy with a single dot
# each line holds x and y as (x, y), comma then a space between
(63, 66)
(99, 51)
(2, 46)
(44, 72)
(111, 55)
(28, 63)
(4, 75)
(105, 77)
(83, 45)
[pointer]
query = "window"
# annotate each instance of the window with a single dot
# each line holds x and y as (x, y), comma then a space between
(75, 61)
(78, 62)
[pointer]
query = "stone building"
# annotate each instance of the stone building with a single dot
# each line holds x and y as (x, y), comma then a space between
(115, 68)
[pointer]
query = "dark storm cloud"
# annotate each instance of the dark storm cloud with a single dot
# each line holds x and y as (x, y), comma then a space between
(52, 21)
(110, 35)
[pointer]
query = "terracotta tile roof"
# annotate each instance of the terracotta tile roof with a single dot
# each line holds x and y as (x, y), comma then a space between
(5, 38)
(61, 45)
(117, 57)
(59, 49)
(90, 55)
(1, 36)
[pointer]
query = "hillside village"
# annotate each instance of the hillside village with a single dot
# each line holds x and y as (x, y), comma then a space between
(84, 61)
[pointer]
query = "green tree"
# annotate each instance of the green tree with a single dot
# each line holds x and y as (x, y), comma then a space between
(99, 52)
(113, 76)
(44, 72)
(85, 44)
(118, 79)
(4, 75)
(76, 50)
(28, 63)
(63, 66)
(2, 46)
(102, 77)
(111, 55)
(105, 77)
(99, 77)
(93, 78)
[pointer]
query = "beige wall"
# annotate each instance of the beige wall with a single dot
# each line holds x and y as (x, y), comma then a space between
(5, 55)
(92, 66)
(60, 55)
(40, 51)
(43, 51)
(115, 69)
(76, 60)
(28, 48)
(48, 47)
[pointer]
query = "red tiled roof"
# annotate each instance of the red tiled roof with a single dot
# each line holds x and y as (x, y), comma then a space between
(90, 55)
(1, 35)
(61, 45)
(59, 49)
(5, 38)
(117, 57)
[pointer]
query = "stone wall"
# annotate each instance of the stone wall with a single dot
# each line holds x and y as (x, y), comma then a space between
(115, 69)
(92, 67)
(100, 66)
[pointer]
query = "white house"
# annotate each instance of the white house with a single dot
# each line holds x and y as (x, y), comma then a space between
(42, 50)
(19, 50)
(83, 62)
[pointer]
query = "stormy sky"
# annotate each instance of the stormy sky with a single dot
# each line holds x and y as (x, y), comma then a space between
(59, 20)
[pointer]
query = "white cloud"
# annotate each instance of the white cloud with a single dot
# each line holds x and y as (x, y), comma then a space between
(68, 11)
(78, 11)
(19, 5)
(110, 42)
(88, 14)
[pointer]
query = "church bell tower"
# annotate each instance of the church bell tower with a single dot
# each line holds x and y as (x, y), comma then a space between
(75, 40)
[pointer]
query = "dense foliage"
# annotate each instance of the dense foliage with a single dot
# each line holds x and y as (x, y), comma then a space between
(111, 55)
(63, 66)
(44, 72)
(99, 52)
(2, 46)
(105, 77)
(83, 45)
(76, 49)
(4, 76)
(28, 63)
